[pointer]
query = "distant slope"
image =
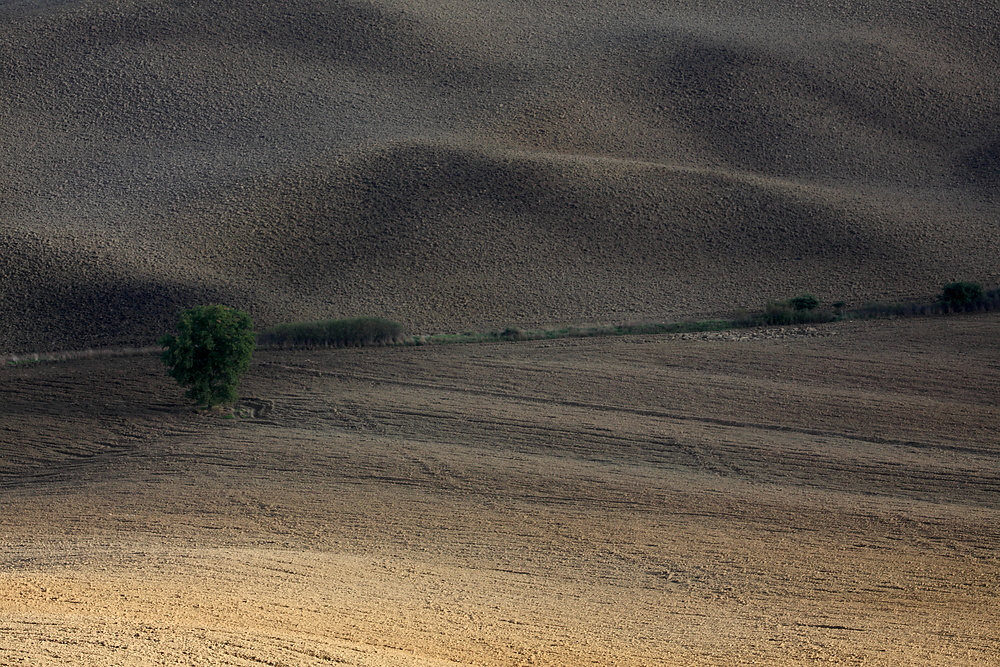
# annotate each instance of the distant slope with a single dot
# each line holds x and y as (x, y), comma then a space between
(473, 164)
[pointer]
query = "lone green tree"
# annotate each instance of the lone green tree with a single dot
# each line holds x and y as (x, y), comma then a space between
(209, 353)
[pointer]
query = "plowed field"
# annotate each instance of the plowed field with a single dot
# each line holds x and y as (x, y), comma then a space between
(785, 497)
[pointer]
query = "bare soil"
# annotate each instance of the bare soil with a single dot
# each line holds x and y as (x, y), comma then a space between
(789, 498)
(456, 164)
(466, 165)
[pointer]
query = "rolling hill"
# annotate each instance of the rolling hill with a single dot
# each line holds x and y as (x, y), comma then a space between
(464, 164)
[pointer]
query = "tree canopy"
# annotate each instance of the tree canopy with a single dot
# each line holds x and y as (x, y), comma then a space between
(210, 352)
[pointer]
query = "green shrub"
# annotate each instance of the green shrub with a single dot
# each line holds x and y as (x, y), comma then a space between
(804, 302)
(961, 294)
(513, 333)
(779, 314)
(802, 309)
(353, 332)
(210, 352)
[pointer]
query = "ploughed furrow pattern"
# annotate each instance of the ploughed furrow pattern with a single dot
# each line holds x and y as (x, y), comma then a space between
(654, 500)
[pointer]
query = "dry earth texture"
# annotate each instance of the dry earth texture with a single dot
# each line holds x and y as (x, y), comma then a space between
(709, 500)
(462, 163)
(781, 499)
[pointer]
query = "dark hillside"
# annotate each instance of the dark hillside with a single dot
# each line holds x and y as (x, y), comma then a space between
(470, 164)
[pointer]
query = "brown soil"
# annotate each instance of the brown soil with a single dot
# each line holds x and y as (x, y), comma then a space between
(776, 498)
(471, 164)
(827, 495)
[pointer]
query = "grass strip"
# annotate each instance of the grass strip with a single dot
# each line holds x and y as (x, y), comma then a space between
(372, 331)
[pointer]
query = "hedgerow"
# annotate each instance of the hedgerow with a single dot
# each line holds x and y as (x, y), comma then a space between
(351, 332)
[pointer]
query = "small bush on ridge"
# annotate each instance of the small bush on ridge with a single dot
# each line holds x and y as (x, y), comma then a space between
(513, 333)
(804, 302)
(960, 294)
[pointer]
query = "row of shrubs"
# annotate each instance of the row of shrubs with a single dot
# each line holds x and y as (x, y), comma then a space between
(804, 309)
(958, 297)
(213, 345)
(352, 332)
